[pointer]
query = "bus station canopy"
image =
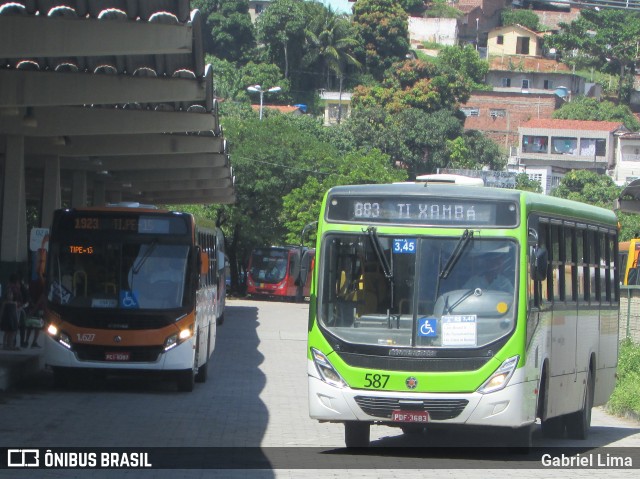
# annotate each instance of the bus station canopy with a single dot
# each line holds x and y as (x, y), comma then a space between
(629, 199)
(117, 93)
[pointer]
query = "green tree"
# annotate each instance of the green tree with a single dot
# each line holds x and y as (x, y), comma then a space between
(384, 29)
(518, 16)
(331, 40)
(302, 205)
(464, 61)
(270, 158)
(441, 9)
(415, 84)
(524, 183)
(606, 39)
(229, 32)
(588, 187)
(281, 28)
(583, 108)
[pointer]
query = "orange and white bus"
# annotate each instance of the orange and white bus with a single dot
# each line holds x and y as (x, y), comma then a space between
(131, 288)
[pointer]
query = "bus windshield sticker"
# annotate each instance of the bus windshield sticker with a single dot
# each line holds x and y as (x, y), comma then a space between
(404, 246)
(104, 303)
(59, 293)
(128, 300)
(427, 327)
(459, 330)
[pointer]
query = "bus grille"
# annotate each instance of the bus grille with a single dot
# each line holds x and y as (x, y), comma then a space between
(438, 409)
(413, 364)
(145, 354)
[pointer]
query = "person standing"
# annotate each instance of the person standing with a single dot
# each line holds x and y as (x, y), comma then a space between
(21, 297)
(9, 321)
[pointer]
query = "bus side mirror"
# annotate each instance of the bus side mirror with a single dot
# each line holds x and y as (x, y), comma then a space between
(539, 260)
(204, 262)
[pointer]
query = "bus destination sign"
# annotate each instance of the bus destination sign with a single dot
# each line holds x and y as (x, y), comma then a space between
(143, 224)
(420, 210)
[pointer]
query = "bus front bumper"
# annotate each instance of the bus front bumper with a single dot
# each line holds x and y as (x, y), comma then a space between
(180, 357)
(513, 406)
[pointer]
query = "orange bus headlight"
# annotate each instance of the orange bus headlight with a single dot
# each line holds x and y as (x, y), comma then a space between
(59, 336)
(177, 338)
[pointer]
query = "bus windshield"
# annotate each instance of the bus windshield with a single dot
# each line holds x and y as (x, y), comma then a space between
(414, 304)
(119, 275)
(269, 265)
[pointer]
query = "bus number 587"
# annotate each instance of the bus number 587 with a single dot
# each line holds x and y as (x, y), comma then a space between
(376, 381)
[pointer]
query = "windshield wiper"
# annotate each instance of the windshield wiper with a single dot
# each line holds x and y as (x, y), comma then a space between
(136, 268)
(464, 240)
(372, 232)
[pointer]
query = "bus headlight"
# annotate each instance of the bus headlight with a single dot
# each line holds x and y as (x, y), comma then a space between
(500, 378)
(326, 370)
(177, 338)
(59, 336)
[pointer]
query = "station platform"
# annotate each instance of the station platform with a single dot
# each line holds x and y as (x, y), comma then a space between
(18, 365)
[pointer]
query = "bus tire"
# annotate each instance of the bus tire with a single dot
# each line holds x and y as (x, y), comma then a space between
(579, 422)
(203, 370)
(521, 440)
(552, 427)
(185, 380)
(357, 433)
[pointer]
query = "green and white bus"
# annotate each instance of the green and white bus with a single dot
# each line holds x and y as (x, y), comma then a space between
(409, 327)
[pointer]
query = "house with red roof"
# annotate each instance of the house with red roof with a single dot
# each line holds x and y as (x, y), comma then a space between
(550, 148)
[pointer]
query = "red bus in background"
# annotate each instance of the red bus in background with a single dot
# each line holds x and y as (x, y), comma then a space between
(280, 272)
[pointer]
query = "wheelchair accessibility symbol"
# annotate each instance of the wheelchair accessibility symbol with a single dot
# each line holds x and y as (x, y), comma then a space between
(128, 300)
(427, 327)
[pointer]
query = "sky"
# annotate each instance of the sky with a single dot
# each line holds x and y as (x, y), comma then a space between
(342, 6)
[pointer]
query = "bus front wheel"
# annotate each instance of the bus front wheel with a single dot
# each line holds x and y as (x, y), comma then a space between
(578, 423)
(356, 433)
(185, 380)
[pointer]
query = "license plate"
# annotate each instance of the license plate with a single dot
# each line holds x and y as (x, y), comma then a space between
(119, 356)
(410, 416)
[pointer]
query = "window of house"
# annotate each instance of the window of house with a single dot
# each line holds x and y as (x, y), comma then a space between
(337, 111)
(535, 144)
(471, 111)
(593, 146)
(506, 82)
(497, 112)
(500, 40)
(548, 84)
(258, 9)
(522, 46)
(561, 145)
(525, 84)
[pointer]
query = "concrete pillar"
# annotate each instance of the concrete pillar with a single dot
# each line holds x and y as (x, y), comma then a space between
(51, 197)
(13, 240)
(99, 193)
(79, 189)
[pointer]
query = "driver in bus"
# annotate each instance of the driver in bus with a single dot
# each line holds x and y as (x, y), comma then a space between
(491, 272)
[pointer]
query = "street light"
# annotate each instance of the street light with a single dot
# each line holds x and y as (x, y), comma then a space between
(258, 88)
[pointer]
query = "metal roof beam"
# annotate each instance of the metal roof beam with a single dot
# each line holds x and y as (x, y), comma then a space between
(118, 145)
(33, 36)
(60, 121)
(22, 88)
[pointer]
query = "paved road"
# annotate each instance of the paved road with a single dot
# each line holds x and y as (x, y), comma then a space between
(256, 397)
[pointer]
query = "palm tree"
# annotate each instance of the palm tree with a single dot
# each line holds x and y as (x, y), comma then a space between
(330, 40)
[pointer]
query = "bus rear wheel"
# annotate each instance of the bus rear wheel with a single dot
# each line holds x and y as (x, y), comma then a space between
(357, 434)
